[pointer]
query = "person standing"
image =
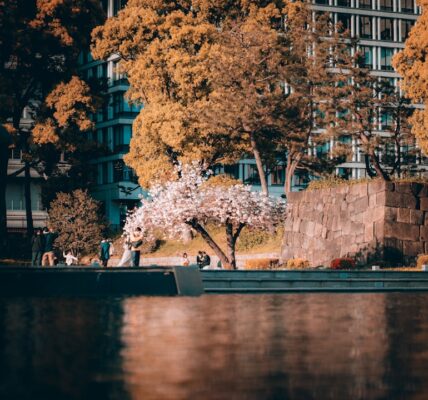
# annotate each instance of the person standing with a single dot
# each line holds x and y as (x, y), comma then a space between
(37, 248)
(200, 259)
(126, 259)
(185, 260)
(48, 255)
(136, 244)
(104, 252)
(206, 260)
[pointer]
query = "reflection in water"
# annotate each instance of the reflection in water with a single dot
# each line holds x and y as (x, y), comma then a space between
(301, 346)
(255, 347)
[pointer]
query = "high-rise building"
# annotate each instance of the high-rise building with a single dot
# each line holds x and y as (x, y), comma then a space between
(116, 184)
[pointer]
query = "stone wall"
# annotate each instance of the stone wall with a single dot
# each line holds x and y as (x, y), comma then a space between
(371, 221)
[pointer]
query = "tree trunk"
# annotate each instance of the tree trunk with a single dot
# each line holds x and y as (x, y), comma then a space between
(289, 173)
(4, 159)
(231, 244)
(374, 160)
(259, 164)
(376, 165)
(27, 194)
(231, 238)
(209, 240)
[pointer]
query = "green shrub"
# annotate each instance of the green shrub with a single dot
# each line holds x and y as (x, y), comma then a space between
(262, 263)
(297, 263)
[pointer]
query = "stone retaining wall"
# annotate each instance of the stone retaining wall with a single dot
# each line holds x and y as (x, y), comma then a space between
(370, 221)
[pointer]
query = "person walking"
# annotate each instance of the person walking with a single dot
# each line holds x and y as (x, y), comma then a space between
(136, 244)
(37, 248)
(126, 259)
(48, 253)
(104, 252)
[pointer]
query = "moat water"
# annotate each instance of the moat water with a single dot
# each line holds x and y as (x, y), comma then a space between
(291, 346)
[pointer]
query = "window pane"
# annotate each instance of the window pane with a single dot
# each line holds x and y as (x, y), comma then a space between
(366, 27)
(278, 175)
(344, 3)
(406, 26)
(407, 6)
(344, 22)
(386, 29)
(385, 5)
(367, 57)
(365, 4)
(385, 59)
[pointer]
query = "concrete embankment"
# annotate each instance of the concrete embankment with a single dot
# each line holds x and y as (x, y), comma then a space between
(312, 281)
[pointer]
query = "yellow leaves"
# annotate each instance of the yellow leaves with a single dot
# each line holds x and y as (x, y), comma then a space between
(72, 103)
(412, 64)
(45, 132)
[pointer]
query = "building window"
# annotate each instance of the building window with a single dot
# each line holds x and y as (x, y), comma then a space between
(278, 175)
(118, 5)
(365, 4)
(406, 26)
(366, 57)
(385, 59)
(386, 29)
(344, 3)
(104, 5)
(366, 27)
(321, 2)
(121, 138)
(232, 170)
(407, 6)
(386, 119)
(105, 173)
(105, 140)
(385, 5)
(251, 175)
(344, 22)
(117, 75)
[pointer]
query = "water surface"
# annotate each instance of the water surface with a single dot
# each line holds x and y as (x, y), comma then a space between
(291, 346)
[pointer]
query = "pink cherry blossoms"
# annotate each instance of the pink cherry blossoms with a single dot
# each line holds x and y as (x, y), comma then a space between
(189, 203)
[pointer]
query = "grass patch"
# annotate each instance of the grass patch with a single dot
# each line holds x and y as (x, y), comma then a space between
(249, 242)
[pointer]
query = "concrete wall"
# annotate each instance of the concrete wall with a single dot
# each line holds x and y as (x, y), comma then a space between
(370, 221)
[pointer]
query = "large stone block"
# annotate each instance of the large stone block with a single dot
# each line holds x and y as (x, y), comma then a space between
(403, 215)
(400, 200)
(424, 204)
(412, 249)
(424, 233)
(417, 217)
(401, 231)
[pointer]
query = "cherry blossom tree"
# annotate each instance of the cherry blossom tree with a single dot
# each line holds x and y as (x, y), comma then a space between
(189, 202)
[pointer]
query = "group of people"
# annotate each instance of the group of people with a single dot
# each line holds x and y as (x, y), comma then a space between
(203, 260)
(42, 247)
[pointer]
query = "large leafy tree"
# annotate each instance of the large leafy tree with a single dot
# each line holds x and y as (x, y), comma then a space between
(76, 218)
(39, 45)
(164, 47)
(220, 80)
(412, 64)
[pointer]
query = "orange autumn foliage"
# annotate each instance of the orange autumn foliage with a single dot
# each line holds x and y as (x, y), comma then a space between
(412, 64)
